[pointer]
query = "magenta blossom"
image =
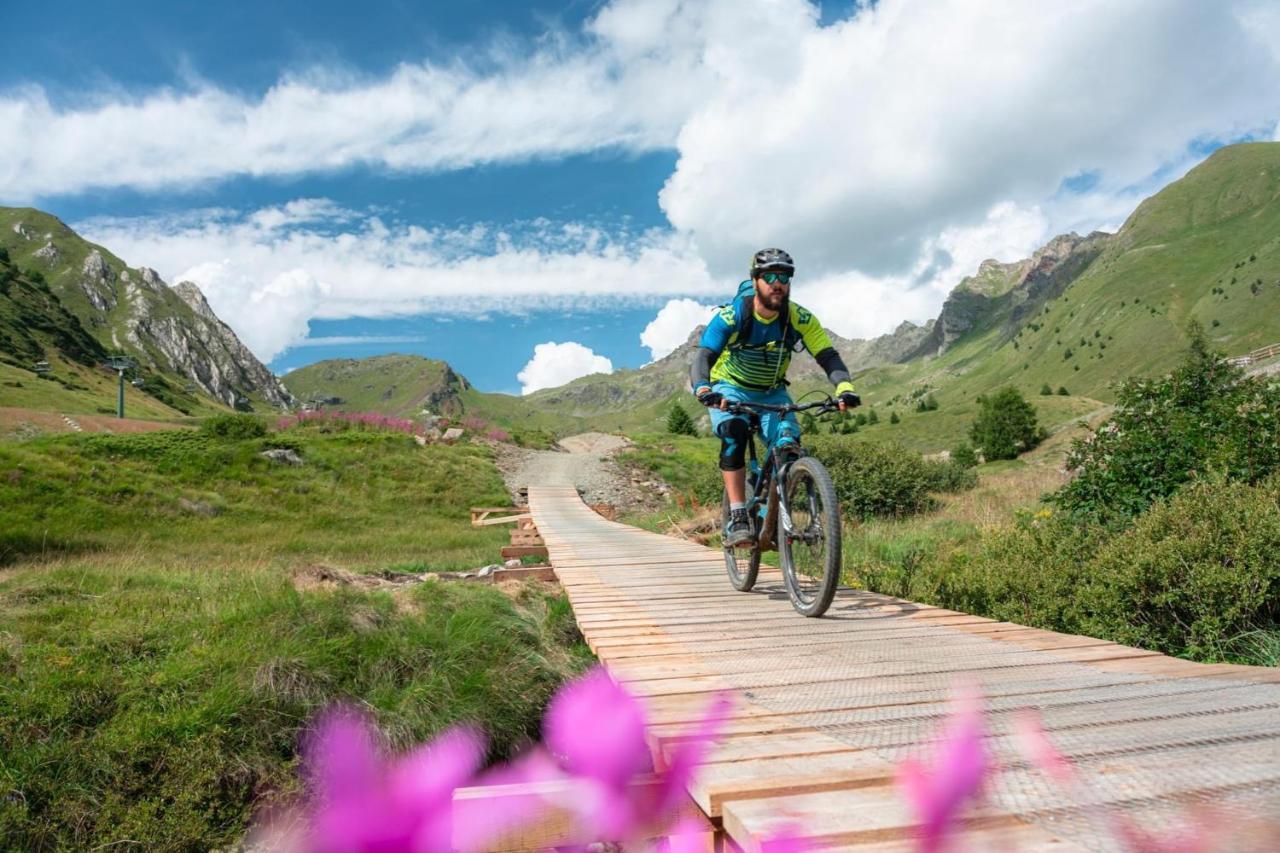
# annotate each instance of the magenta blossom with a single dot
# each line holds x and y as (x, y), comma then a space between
(364, 802)
(940, 793)
(598, 730)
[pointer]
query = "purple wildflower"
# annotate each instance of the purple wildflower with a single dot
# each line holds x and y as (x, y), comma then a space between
(362, 802)
(939, 794)
(598, 730)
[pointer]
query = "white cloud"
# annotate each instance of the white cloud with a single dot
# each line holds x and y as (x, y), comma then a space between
(916, 116)
(554, 364)
(856, 305)
(880, 151)
(672, 325)
(268, 272)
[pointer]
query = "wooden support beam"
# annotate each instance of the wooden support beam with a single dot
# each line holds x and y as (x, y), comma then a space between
(502, 519)
(512, 551)
(479, 513)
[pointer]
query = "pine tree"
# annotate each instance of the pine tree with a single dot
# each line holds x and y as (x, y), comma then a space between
(894, 419)
(679, 422)
(1005, 426)
(872, 417)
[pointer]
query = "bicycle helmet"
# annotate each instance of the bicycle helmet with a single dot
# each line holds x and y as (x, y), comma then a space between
(776, 260)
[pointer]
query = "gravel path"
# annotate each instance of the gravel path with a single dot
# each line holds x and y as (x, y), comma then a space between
(587, 462)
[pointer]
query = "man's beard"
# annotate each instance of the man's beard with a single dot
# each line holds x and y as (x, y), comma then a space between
(772, 299)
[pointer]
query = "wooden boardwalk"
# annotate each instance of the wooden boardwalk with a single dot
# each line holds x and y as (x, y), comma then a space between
(824, 709)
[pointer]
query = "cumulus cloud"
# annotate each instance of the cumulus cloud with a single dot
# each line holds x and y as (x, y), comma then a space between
(672, 325)
(268, 272)
(911, 117)
(554, 364)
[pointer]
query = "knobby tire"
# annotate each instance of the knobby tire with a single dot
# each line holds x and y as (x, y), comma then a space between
(812, 496)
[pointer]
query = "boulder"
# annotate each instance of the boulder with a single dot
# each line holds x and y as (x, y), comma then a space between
(282, 455)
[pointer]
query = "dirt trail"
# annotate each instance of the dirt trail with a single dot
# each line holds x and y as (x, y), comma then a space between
(587, 462)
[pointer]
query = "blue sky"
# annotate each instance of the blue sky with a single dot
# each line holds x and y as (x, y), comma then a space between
(470, 181)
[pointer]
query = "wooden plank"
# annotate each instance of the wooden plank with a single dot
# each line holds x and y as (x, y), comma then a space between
(555, 822)
(504, 519)
(511, 551)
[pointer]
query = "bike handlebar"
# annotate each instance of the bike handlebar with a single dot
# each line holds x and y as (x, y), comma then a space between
(743, 407)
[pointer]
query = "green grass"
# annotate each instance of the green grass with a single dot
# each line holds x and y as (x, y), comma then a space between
(167, 635)
(688, 464)
(75, 389)
(360, 499)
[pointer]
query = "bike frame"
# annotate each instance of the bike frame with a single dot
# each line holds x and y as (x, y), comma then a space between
(768, 489)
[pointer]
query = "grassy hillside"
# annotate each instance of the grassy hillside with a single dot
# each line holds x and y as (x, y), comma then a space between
(406, 386)
(177, 608)
(71, 388)
(1206, 248)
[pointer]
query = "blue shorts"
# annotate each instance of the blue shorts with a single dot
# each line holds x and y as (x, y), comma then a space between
(772, 425)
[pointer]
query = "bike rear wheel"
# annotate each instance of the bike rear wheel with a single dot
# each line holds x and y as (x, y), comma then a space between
(743, 566)
(809, 540)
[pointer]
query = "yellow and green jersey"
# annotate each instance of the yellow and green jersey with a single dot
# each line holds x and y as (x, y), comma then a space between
(755, 354)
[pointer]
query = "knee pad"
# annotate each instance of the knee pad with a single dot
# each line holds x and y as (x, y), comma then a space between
(733, 444)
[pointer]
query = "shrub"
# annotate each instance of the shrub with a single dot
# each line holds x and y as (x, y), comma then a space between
(233, 427)
(1045, 390)
(1169, 431)
(872, 417)
(964, 455)
(1063, 392)
(894, 419)
(679, 421)
(948, 475)
(1028, 572)
(883, 479)
(1005, 426)
(1192, 573)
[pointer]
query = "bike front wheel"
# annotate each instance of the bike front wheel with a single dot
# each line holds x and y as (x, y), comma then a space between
(743, 566)
(809, 537)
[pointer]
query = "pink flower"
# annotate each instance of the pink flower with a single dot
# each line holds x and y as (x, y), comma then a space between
(598, 730)
(939, 794)
(363, 802)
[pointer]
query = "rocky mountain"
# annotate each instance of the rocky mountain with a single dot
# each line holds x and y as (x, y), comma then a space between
(1008, 293)
(169, 331)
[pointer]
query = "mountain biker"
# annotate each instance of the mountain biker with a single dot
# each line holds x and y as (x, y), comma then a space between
(743, 357)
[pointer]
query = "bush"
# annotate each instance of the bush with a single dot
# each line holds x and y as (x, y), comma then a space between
(964, 455)
(1045, 390)
(1191, 574)
(1005, 426)
(884, 479)
(1062, 389)
(1166, 432)
(678, 420)
(234, 427)
(1028, 572)
(894, 419)
(948, 475)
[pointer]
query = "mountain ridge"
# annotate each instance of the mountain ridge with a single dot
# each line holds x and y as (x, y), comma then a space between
(171, 331)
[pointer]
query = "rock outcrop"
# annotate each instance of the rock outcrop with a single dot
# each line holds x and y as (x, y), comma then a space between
(1007, 294)
(169, 330)
(207, 350)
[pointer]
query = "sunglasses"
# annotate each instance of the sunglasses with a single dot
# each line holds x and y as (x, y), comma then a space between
(776, 278)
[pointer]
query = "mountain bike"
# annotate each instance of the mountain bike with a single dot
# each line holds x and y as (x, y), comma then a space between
(790, 499)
